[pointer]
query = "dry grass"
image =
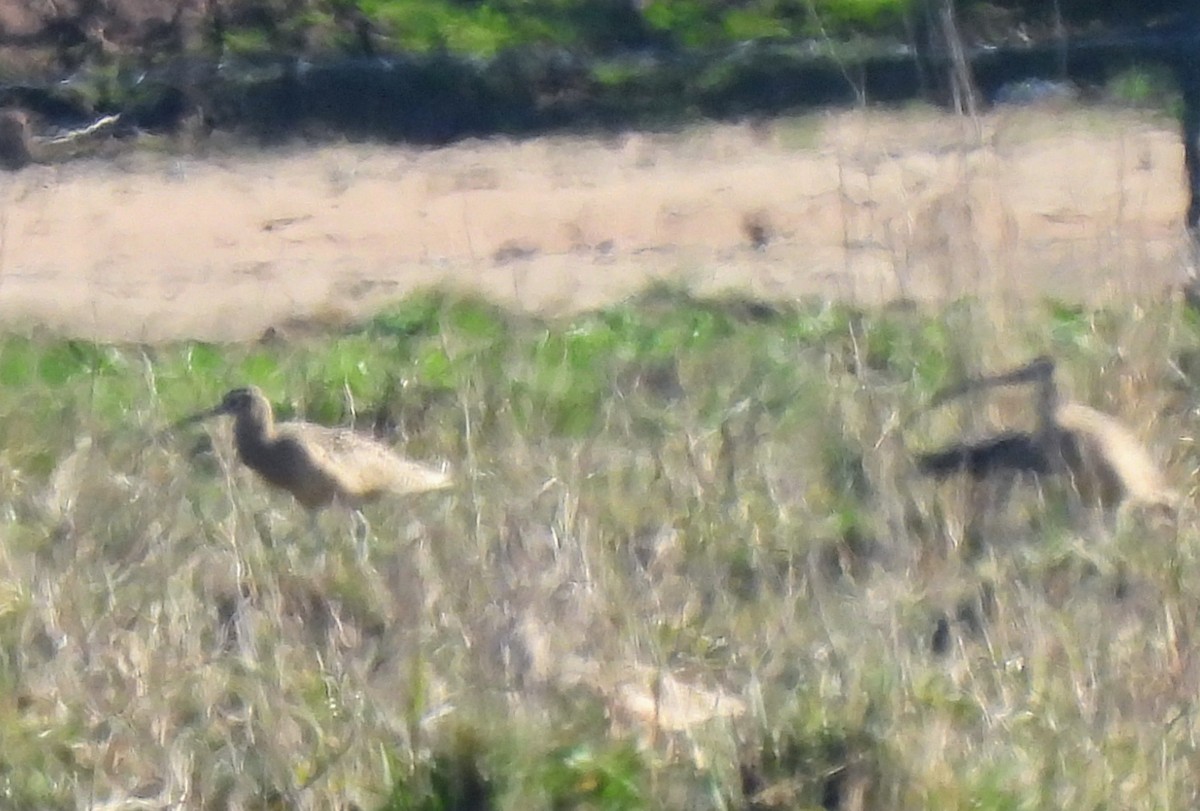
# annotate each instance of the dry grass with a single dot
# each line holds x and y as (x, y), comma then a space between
(688, 565)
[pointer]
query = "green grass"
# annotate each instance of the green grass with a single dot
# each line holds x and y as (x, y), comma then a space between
(1147, 86)
(686, 565)
(485, 28)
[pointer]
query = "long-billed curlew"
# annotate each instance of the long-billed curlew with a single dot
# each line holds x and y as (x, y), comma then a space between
(1103, 459)
(317, 464)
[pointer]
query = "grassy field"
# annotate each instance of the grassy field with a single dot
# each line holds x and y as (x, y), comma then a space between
(687, 564)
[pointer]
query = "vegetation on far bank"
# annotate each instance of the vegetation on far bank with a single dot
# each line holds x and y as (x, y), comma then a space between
(442, 70)
(486, 27)
(95, 35)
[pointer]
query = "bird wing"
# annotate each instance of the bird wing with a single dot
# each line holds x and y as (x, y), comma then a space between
(362, 467)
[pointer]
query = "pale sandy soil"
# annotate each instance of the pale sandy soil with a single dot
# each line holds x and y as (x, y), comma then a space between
(1083, 204)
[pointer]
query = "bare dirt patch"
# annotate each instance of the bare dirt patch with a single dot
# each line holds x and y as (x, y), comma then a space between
(1085, 204)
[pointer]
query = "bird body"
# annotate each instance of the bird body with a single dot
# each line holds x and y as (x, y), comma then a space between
(1103, 459)
(317, 464)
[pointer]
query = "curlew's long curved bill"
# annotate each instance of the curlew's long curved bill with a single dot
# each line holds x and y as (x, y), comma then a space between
(1039, 370)
(199, 416)
(164, 433)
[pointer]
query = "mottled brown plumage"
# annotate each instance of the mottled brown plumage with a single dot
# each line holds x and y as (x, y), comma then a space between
(317, 464)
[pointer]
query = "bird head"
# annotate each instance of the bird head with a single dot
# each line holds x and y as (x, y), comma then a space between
(247, 403)
(239, 401)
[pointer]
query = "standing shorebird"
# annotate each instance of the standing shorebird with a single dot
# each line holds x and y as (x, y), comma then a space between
(317, 464)
(1103, 460)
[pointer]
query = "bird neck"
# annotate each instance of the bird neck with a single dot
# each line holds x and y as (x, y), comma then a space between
(1047, 409)
(253, 432)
